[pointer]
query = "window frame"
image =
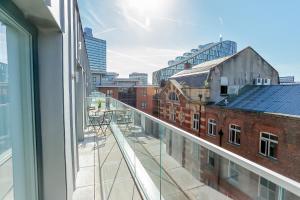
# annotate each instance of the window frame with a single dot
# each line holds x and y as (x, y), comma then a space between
(212, 124)
(196, 122)
(32, 139)
(233, 166)
(173, 96)
(173, 114)
(235, 133)
(276, 192)
(143, 105)
(210, 154)
(268, 145)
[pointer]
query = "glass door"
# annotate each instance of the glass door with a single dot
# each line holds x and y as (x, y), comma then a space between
(17, 142)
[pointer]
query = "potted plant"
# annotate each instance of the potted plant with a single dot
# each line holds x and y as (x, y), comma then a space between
(99, 102)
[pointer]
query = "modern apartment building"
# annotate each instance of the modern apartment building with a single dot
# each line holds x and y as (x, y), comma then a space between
(143, 77)
(44, 76)
(285, 80)
(197, 56)
(109, 76)
(96, 49)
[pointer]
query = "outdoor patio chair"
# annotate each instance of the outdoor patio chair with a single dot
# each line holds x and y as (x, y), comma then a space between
(124, 117)
(104, 121)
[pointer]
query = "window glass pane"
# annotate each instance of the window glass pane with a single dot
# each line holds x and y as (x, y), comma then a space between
(264, 182)
(238, 140)
(263, 193)
(263, 147)
(272, 195)
(16, 131)
(265, 135)
(272, 186)
(272, 137)
(273, 149)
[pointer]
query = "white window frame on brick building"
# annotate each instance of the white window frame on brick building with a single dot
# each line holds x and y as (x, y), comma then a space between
(143, 105)
(196, 121)
(173, 114)
(268, 189)
(109, 93)
(212, 127)
(233, 172)
(234, 131)
(173, 96)
(270, 145)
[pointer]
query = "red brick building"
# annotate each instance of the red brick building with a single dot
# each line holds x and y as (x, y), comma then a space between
(253, 127)
(140, 97)
(144, 98)
(258, 120)
(262, 124)
(179, 109)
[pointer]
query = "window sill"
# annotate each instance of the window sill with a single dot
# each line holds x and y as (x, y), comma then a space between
(233, 144)
(233, 182)
(267, 157)
(212, 136)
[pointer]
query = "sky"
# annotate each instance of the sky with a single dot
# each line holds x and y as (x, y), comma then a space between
(142, 35)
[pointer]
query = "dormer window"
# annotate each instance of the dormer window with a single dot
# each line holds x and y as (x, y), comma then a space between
(173, 96)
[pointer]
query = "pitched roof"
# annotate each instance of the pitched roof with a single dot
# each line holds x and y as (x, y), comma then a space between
(201, 68)
(207, 66)
(193, 80)
(279, 99)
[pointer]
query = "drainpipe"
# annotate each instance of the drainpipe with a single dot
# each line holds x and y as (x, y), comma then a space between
(221, 135)
(200, 98)
(219, 159)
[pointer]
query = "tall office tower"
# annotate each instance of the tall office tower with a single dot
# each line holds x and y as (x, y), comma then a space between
(96, 50)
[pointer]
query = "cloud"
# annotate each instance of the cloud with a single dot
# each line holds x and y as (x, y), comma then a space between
(140, 59)
(177, 21)
(221, 20)
(134, 58)
(105, 31)
(144, 24)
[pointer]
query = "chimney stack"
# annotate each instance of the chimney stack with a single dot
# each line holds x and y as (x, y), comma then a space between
(187, 65)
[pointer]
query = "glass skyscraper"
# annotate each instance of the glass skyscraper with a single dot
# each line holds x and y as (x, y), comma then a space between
(199, 55)
(96, 49)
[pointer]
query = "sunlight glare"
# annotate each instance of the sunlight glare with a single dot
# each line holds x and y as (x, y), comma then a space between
(145, 6)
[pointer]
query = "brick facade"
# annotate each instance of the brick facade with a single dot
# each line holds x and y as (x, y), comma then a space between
(185, 110)
(286, 128)
(141, 94)
(144, 98)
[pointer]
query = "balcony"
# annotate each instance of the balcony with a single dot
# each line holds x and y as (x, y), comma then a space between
(142, 157)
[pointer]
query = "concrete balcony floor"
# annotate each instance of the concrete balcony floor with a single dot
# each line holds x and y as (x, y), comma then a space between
(177, 183)
(103, 173)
